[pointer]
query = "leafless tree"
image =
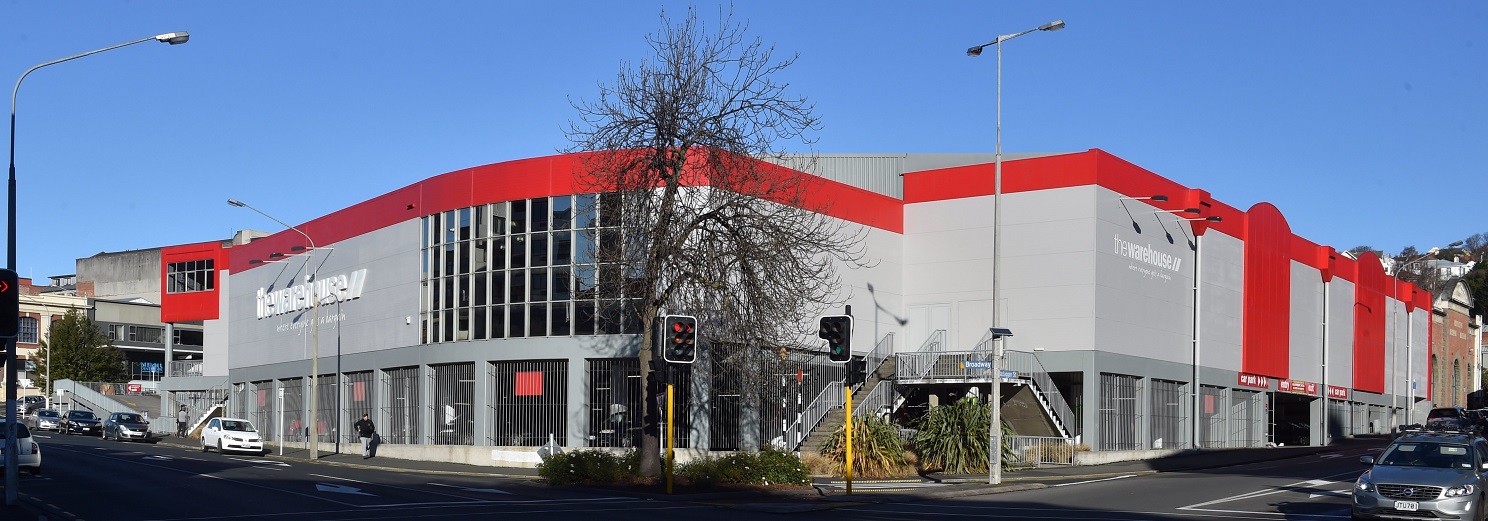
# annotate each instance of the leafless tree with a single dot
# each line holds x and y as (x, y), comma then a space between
(684, 148)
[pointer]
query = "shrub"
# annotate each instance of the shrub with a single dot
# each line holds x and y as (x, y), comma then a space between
(878, 449)
(952, 438)
(589, 467)
(770, 466)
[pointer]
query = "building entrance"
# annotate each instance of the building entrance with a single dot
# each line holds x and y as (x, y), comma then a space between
(1290, 421)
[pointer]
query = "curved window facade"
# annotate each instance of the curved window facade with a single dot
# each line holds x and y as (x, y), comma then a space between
(522, 268)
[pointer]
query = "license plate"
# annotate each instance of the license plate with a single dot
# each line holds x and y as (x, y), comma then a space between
(1407, 506)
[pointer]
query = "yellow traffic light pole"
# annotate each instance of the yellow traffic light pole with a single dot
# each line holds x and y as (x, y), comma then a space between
(848, 412)
(669, 454)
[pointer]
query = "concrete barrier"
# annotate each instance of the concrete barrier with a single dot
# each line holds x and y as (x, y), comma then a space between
(1102, 457)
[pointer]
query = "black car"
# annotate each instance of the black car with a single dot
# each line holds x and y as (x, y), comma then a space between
(122, 426)
(82, 422)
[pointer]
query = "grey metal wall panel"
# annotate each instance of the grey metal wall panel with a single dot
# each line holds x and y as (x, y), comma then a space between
(1341, 333)
(1305, 335)
(1144, 280)
(1223, 279)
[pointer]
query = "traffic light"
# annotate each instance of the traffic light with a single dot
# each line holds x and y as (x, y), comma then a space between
(857, 371)
(679, 339)
(837, 331)
(651, 420)
(10, 304)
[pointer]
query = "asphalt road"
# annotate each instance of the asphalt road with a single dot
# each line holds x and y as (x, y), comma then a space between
(88, 478)
(1314, 487)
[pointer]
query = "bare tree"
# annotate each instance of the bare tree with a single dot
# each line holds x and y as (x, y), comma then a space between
(683, 150)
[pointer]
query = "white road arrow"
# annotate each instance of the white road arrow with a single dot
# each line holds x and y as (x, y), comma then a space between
(485, 490)
(339, 489)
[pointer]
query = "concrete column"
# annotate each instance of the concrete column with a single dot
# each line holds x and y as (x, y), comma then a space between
(578, 393)
(484, 424)
(170, 347)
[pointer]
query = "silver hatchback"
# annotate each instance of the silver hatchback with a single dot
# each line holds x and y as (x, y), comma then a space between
(1426, 474)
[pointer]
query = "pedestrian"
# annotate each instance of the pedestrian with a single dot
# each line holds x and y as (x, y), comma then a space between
(366, 430)
(181, 418)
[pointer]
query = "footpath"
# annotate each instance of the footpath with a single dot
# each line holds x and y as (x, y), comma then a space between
(823, 494)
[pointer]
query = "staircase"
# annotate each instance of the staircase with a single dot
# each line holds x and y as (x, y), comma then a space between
(867, 398)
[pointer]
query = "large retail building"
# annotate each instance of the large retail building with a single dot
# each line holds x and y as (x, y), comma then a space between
(464, 313)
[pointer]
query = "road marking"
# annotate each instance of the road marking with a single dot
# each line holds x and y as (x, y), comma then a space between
(485, 490)
(260, 461)
(340, 489)
(1093, 480)
(1331, 493)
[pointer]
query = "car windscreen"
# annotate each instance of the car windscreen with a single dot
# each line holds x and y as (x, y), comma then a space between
(81, 415)
(1428, 454)
(234, 425)
(129, 418)
(21, 432)
(48, 414)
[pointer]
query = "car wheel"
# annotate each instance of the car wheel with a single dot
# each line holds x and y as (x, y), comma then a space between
(36, 471)
(219, 446)
(204, 445)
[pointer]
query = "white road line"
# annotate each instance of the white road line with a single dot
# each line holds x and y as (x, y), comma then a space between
(418, 491)
(1094, 480)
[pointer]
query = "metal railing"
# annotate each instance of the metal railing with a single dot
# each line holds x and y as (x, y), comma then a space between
(935, 343)
(828, 399)
(185, 368)
(879, 354)
(1028, 366)
(881, 400)
(943, 365)
(1037, 451)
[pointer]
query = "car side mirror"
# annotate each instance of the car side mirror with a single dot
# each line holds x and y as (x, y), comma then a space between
(1367, 460)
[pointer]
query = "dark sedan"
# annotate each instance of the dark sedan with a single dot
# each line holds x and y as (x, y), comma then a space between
(82, 422)
(126, 426)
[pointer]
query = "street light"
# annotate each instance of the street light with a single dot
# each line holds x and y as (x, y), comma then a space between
(994, 473)
(310, 276)
(1197, 308)
(12, 468)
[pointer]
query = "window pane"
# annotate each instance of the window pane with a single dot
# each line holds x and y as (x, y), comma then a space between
(562, 248)
(464, 224)
(498, 219)
(518, 216)
(449, 259)
(481, 221)
(449, 293)
(584, 318)
(463, 250)
(463, 284)
(584, 208)
(558, 326)
(480, 290)
(478, 323)
(480, 249)
(609, 281)
(609, 209)
(498, 321)
(584, 247)
(449, 325)
(584, 282)
(562, 284)
(539, 285)
(519, 251)
(518, 280)
(463, 333)
(538, 320)
(609, 317)
(562, 212)
(516, 326)
(539, 249)
(450, 226)
(539, 214)
(498, 253)
(498, 287)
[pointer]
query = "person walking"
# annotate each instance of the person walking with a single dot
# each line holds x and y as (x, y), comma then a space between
(181, 418)
(366, 430)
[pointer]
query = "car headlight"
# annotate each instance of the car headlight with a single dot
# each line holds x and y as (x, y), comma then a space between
(1465, 490)
(1363, 484)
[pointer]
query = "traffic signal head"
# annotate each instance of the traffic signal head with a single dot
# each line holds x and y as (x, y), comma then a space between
(10, 304)
(679, 339)
(837, 331)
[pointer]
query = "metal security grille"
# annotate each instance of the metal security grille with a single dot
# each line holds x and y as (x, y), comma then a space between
(260, 408)
(402, 408)
(326, 424)
(1166, 414)
(294, 409)
(1247, 418)
(454, 404)
(1119, 412)
(357, 391)
(529, 402)
(1360, 415)
(1212, 417)
(615, 409)
(1338, 419)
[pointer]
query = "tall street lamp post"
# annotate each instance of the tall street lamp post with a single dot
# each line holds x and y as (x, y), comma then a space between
(311, 280)
(994, 473)
(12, 468)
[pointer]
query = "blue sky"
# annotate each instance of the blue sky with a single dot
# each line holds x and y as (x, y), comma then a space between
(1364, 122)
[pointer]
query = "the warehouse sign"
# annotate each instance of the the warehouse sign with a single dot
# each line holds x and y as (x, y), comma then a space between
(1147, 255)
(328, 290)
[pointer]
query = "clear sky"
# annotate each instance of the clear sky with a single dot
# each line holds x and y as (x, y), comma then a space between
(1366, 123)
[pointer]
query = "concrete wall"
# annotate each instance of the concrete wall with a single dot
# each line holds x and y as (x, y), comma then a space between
(123, 275)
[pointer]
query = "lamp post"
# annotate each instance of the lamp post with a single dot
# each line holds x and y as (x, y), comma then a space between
(12, 468)
(994, 474)
(1410, 376)
(310, 276)
(1197, 313)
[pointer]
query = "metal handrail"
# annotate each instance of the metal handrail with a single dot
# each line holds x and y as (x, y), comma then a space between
(825, 401)
(935, 343)
(1028, 366)
(881, 396)
(880, 353)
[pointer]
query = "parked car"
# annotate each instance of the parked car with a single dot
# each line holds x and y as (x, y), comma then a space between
(81, 422)
(32, 403)
(231, 434)
(122, 426)
(1434, 475)
(46, 420)
(30, 456)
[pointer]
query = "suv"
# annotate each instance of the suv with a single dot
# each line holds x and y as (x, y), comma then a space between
(1425, 474)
